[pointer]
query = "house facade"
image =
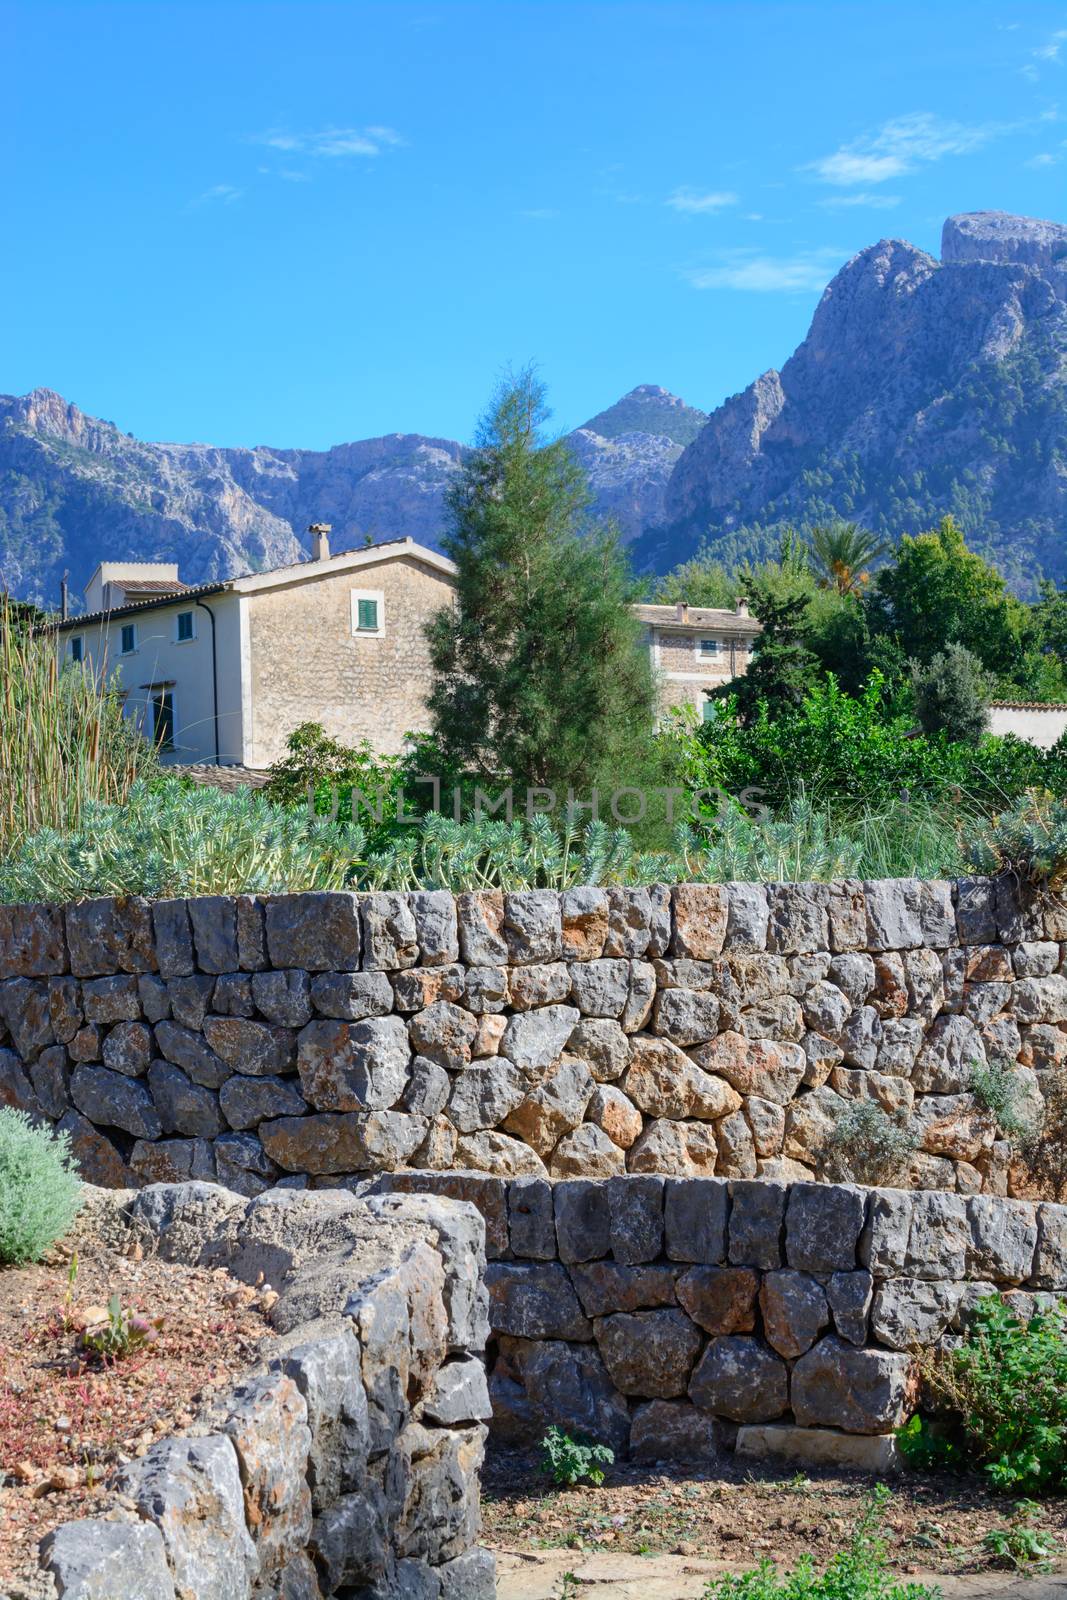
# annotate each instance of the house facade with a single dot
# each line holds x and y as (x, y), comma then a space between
(223, 672)
(695, 650)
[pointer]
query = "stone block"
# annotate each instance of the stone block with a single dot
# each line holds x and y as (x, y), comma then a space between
(173, 1161)
(498, 1153)
(483, 1096)
(152, 997)
(795, 1311)
(245, 1102)
(481, 929)
(629, 922)
(428, 1088)
(266, 1418)
(755, 1066)
(798, 918)
(604, 1287)
(534, 1300)
(648, 1353)
(111, 1100)
(190, 999)
(639, 1000)
(1050, 1255)
(615, 1115)
(818, 1447)
(739, 1378)
(583, 1220)
(214, 920)
(939, 1239)
(976, 921)
(600, 988)
(720, 1300)
(127, 1048)
(849, 1296)
(32, 944)
(540, 984)
(603, 1044)
(190, 1489)
(685, 1016)
(251, 933)
(25, 1011)
(635, 1208)
(459, 1395)
(537, 1384)
(352, 996)
(283, 997)
(98, 1160)
(327, 1373)
(945, 1061)
(555, 1107)
(894, 913)
(532, 926)
(676, 1149)
(95, 1559)
(584, 923)
(436, 926)
(257, 1048)
(937, 915)
(910, 1312)
(670, 1430)
(694, 1217)
(823, 1226)
(846, 915)
(192, 1053)
(108, 936)
(531, 1219)
(747, 917)
(701, 912)
(184, 1107)
(354, 1141)
(757, 1215)
(50, 1077)
(444, 1032)
(860, 1391)
(533, 1040)
(318, 932)
(390, 939)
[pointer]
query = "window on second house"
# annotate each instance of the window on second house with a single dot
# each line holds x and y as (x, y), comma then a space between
(709, 709)
(185, 629)
(367, 611)
(77, 648)
(707, 647)
(128, 638)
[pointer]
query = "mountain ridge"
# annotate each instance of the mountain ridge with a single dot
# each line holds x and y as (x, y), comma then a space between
(924, 386)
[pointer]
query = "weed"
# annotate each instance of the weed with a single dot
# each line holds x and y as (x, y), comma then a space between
(569, 1461)
(1017, 1544)
(120, 1332)
(867, 1145)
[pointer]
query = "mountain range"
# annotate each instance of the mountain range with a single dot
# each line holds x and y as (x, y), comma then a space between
(923, 387)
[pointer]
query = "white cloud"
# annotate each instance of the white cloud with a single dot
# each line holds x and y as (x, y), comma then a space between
(805, 272)
(330, 142)
(223, 192)
(877, 202)
(1044, 158)
(695, 202)
(898, 147)
(1053, 48)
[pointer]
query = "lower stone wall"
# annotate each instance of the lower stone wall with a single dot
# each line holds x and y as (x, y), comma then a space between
(671, 1318)
(349, 1463)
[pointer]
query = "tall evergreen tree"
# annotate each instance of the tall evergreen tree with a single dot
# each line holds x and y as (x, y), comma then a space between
(539, 673)
(782, 668)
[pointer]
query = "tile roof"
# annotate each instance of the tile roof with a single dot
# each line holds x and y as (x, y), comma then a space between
(697, 617)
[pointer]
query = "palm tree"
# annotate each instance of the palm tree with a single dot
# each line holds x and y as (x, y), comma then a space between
(843, 552)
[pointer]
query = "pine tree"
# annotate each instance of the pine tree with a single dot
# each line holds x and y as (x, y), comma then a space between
(952, 695)
(782, 668)
(539, 674)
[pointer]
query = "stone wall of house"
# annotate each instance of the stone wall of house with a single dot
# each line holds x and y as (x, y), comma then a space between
(697, 1030)
(674, 1317)
(349, 1461)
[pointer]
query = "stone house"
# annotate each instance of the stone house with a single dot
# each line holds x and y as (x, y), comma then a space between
(696, 649)
(223, 672)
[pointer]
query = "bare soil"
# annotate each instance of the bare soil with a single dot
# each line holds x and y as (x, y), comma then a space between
(734, 1514)
(70, 1419)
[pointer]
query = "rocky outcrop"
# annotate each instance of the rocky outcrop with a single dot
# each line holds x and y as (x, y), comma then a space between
(922, 388)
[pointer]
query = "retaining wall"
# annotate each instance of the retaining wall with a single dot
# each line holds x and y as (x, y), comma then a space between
(693, 1030)
(348, 1463)
(674, 1317)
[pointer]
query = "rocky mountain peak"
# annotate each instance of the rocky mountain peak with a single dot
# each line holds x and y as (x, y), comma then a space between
(651, 410)
(998, 236)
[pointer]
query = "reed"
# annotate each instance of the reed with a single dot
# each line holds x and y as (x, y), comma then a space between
(63, 738)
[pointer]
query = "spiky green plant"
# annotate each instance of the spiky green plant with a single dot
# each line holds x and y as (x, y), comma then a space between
(1030, 841)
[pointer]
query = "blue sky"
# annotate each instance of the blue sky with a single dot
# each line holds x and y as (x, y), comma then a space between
(298, 224)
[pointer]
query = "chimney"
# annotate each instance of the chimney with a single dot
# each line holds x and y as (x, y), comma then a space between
(320, 540)
(683, 611)
(741, 607)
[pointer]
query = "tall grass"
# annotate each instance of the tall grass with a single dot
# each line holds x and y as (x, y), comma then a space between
(63, 738)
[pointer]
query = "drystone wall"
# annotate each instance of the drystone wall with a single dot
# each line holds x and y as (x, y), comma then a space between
(348, 1463)
(695, 1030)
(673, 1318)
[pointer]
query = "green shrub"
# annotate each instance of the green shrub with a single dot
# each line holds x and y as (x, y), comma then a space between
(172, 839)
(1018, 1545)
(568, 1460)
(1029, 840)
(867, 1145)
(1005, 1389)
(858, 1572)
(951, 695)
(40, 1191)
(996, 1089)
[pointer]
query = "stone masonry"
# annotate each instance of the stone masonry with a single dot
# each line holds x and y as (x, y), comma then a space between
(348, 1463)
(673, 1318)
(692, 1031)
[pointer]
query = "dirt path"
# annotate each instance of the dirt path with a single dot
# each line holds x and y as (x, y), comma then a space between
(539, 1575)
